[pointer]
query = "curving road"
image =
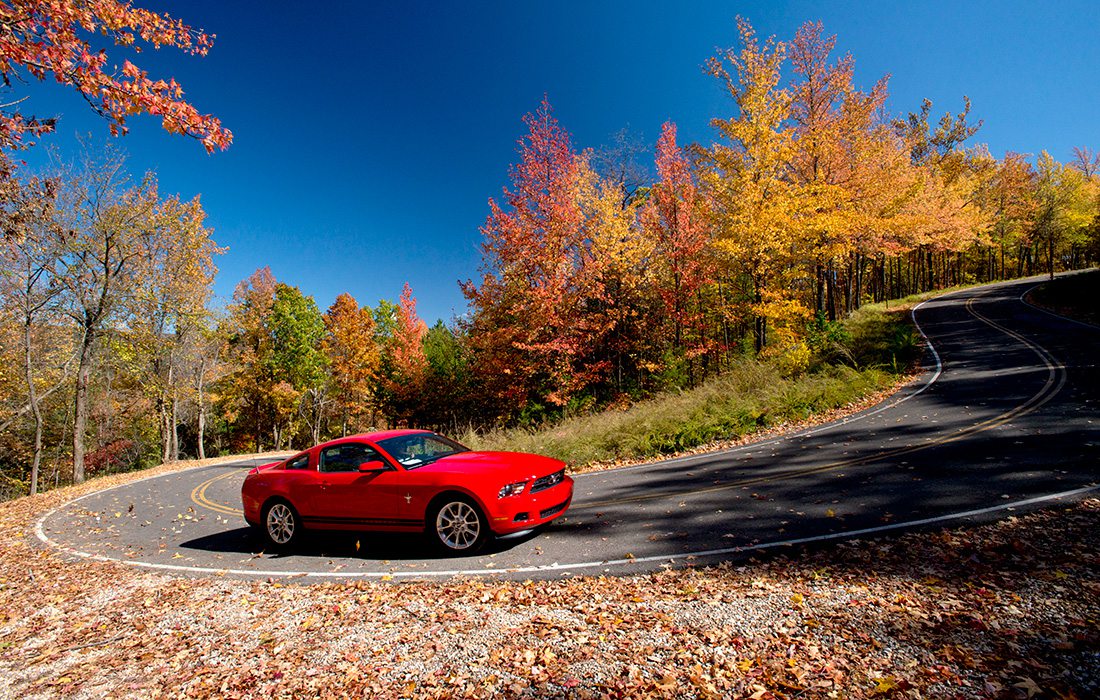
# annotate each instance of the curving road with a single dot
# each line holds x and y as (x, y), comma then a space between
(1005, 419)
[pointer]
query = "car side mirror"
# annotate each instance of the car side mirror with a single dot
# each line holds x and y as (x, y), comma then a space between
(375, 465)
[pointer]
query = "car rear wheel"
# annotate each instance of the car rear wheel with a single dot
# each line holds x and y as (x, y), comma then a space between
(281, 524)
(457, 526)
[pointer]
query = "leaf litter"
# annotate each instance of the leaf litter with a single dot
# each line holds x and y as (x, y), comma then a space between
(1005, 610)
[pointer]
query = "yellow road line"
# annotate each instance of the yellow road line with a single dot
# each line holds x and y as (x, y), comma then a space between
(198, 496)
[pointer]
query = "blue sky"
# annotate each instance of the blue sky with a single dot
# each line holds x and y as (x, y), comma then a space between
(369, 136)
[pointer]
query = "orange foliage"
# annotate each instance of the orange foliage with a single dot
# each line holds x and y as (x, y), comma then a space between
(50, 38)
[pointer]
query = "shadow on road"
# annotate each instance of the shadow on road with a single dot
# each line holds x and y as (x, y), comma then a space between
(366, 546)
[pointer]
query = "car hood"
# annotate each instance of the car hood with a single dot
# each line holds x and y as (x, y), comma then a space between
(508, 465)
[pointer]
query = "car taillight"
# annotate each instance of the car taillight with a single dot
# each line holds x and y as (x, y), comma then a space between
(513, 489)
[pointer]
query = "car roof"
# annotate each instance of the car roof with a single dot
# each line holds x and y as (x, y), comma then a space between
(375, 437)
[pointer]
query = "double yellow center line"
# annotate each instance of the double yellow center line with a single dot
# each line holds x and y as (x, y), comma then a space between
(198, 496)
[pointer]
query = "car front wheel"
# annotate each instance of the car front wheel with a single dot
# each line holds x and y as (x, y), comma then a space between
(281, 524)
(457, 526)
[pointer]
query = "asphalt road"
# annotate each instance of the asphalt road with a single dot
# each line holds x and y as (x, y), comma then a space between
(1005, 419)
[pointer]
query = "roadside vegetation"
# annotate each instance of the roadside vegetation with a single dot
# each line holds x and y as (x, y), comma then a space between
(872, 350)
(1076, 296)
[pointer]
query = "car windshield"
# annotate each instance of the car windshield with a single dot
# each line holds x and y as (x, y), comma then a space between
(417, 449)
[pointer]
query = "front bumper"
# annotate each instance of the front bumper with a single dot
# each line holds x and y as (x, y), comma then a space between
(527, 511)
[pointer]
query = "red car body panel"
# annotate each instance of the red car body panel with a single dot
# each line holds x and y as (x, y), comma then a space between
(398, 498)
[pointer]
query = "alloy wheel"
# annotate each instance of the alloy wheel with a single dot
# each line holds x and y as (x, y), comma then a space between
(458, 525)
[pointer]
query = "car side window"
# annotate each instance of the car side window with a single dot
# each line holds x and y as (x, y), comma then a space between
(347, 457)
(299, 462)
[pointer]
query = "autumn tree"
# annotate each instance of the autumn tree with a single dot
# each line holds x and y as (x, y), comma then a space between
(169, 307)
(109, 221)
(1063, 206)
(677, 219)
(948, 214)
(840, 144)
(408, 365)
(1012, 206)
(31, 253)
(928, 145)
(354, 359)
(619, 163)
(622, 259)
(205, 367)
(531, 323)
(248, 387)
(1086, 161)
(280, 372)
(53, 39)
(746, 178)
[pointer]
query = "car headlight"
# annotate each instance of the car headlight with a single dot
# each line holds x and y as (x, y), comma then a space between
(512, 489)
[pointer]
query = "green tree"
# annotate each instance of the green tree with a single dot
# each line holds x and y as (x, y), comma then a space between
(297, 359)
(447, 382)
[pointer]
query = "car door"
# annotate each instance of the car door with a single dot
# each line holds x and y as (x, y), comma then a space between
(347, 497)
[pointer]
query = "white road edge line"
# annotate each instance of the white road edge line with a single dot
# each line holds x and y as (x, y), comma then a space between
(580, 565)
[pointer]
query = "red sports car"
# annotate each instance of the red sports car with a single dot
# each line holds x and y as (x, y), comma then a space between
(406, 481)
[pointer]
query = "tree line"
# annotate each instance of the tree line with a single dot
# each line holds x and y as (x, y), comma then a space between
(603, 281)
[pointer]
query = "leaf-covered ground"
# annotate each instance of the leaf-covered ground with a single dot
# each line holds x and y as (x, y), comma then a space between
(1003, 610)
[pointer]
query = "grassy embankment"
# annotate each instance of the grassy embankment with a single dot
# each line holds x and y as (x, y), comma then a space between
(878, 346)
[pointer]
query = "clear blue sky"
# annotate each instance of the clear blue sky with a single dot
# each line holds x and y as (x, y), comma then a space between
(369, 135)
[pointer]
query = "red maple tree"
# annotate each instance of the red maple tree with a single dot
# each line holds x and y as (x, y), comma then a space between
(532, 320)
(675, 216)
(52, 38)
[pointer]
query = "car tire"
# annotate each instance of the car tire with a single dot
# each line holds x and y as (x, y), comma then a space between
(455, 525)
(281, 525)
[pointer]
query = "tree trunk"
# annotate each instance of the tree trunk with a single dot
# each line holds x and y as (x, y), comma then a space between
(80, 407)
(1050, 254)
(32, 396)
(761, 323)
(819, 288)
(175, 428)
(202, 411)
(202, 431)
(165, 440)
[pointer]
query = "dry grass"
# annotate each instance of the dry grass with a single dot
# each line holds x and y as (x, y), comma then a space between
(749, 398)
(876, 352)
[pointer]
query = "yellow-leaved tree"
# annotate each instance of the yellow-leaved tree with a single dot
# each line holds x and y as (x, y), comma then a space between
(354, 359)
(755, 204)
